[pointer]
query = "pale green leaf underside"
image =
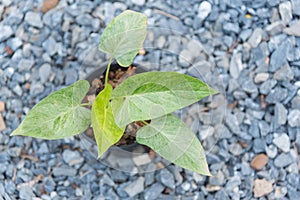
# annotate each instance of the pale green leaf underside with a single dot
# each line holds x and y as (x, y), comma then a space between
(106, 131)
(124, 36)
(174, 141)
(59, 115)
(153, 94)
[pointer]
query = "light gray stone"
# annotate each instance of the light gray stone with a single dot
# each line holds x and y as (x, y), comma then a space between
(135, 187)
(138, 2)
(25, 65)
(256, 37)
(261, 77)
(44, 72)
(72, 157)
(5, 32)
(204, 10)
(236, 65)
(153, 192)
(285, 10)
(294, 118)
(271, 151)
(294, 29)
(284, 73)
(34, 19)
(141, 159)
(280, 115)
(282, 142)
(50, 46)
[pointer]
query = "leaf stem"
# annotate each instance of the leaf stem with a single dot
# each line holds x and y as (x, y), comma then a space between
(107, 70)
(85, 104)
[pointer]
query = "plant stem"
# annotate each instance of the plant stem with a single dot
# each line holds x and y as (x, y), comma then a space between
(85, 104)
(107, 70)
(146, 123)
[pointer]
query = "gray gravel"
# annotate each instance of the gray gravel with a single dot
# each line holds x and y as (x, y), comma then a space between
(247, 50)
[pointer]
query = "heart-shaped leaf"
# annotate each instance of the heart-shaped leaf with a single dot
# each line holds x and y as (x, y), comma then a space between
(106, 131)
(173, 140)
(124, 36)
(153, 94)
(59, 115)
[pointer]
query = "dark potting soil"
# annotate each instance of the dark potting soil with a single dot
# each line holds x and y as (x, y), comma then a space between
(116, 76)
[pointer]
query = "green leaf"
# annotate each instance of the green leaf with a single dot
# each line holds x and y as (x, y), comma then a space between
(106, 131)
(59, 115)
(153, 94)
(124, 36)
(173, 140)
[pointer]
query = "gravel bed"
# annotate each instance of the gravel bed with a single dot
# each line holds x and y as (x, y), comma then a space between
(247, 50)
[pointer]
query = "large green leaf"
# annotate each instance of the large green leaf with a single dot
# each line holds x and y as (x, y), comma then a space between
(173, 140)
(59, 115)
(124, 36)
(106, 131)
(153, 94)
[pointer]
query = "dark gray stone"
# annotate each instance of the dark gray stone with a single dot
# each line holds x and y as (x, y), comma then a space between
(25, 65)
(273, 2)
(254, 130)
(166, 178)
(267, 86)
(44, 72)
(277, 95)
(36, 89)
(259, 145)
(50, 46)
(135, 187)
(84, 19)
(231, 27)
(283, 160)
(284, 73)
(25, 192)
(235, 149)
(278, 57)
(280, 115)
(71, 76)
(49, 184)
(217, 180)
(232, 123)
(264, 128)
(249, 86)
(64, 171)
(295, 7)
(232, 183)
(245, 34)
(153, 192)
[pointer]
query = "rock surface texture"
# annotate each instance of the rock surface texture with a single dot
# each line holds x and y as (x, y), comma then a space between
(247, 50)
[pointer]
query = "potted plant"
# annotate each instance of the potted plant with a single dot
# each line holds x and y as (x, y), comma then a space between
(148, 98)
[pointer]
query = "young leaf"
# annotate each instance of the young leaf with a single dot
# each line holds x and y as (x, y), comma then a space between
(173, 140)
(153, 94)
(59, 115)
(106, 131)
(124, 36)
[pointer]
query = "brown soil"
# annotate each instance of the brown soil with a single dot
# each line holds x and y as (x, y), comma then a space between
(116, 76)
